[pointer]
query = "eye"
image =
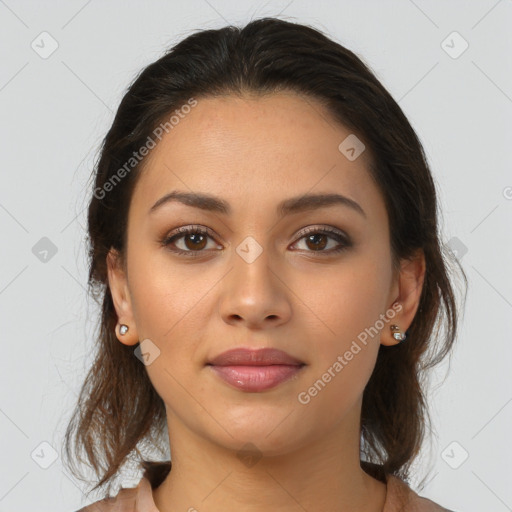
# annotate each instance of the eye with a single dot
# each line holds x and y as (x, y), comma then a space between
(317, 239)
(193, 239)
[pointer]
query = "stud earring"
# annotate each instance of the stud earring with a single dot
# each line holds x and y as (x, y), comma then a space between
(397, 334)
(123, 329)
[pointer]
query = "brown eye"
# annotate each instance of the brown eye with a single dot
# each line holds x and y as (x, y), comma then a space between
(318, 239)
(195, 241)
(190, 241)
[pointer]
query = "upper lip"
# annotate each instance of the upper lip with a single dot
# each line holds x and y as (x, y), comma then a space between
(251, 357)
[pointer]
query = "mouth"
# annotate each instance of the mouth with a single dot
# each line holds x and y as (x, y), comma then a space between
(255, 370)
(256, 378)
(251, 357)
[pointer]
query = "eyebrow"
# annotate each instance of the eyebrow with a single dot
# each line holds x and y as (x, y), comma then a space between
(289, 206)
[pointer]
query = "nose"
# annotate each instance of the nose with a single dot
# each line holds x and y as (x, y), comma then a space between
(255, 293)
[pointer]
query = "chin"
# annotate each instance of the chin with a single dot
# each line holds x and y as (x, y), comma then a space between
(263, 438)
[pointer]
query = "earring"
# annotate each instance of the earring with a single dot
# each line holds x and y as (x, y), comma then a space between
(397, 334)
(123, 329)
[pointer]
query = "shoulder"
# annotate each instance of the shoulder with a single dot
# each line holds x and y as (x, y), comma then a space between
(125, 501)
(135, 499)
(400, 497)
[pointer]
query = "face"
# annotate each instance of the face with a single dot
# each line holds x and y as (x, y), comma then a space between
(307, 278)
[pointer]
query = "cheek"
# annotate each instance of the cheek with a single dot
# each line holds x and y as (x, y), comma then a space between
(172, 308)
(166, 297)
(346, 307)
(343, 360)
(348, 299)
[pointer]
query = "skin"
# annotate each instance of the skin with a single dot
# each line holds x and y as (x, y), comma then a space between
(254, 152)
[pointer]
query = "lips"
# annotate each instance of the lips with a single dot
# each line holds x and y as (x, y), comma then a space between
(255, 370)
(260, 357)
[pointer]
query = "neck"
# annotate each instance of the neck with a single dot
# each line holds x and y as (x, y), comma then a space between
(319, 476)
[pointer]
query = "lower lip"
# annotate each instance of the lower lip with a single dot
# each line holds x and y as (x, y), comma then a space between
(256, 378)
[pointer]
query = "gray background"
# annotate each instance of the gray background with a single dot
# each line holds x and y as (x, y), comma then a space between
(55, 111)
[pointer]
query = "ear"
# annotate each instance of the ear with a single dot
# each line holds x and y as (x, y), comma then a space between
(410, 284)
(118, 284)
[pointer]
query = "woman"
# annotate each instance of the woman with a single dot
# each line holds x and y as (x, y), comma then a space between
(264, 244)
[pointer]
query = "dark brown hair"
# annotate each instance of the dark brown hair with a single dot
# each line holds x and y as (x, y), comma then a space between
(118, 409)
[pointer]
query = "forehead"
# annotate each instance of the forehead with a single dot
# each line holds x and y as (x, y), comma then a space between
(255, 149)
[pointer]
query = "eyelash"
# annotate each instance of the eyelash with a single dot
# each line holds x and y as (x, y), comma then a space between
(339, 236)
